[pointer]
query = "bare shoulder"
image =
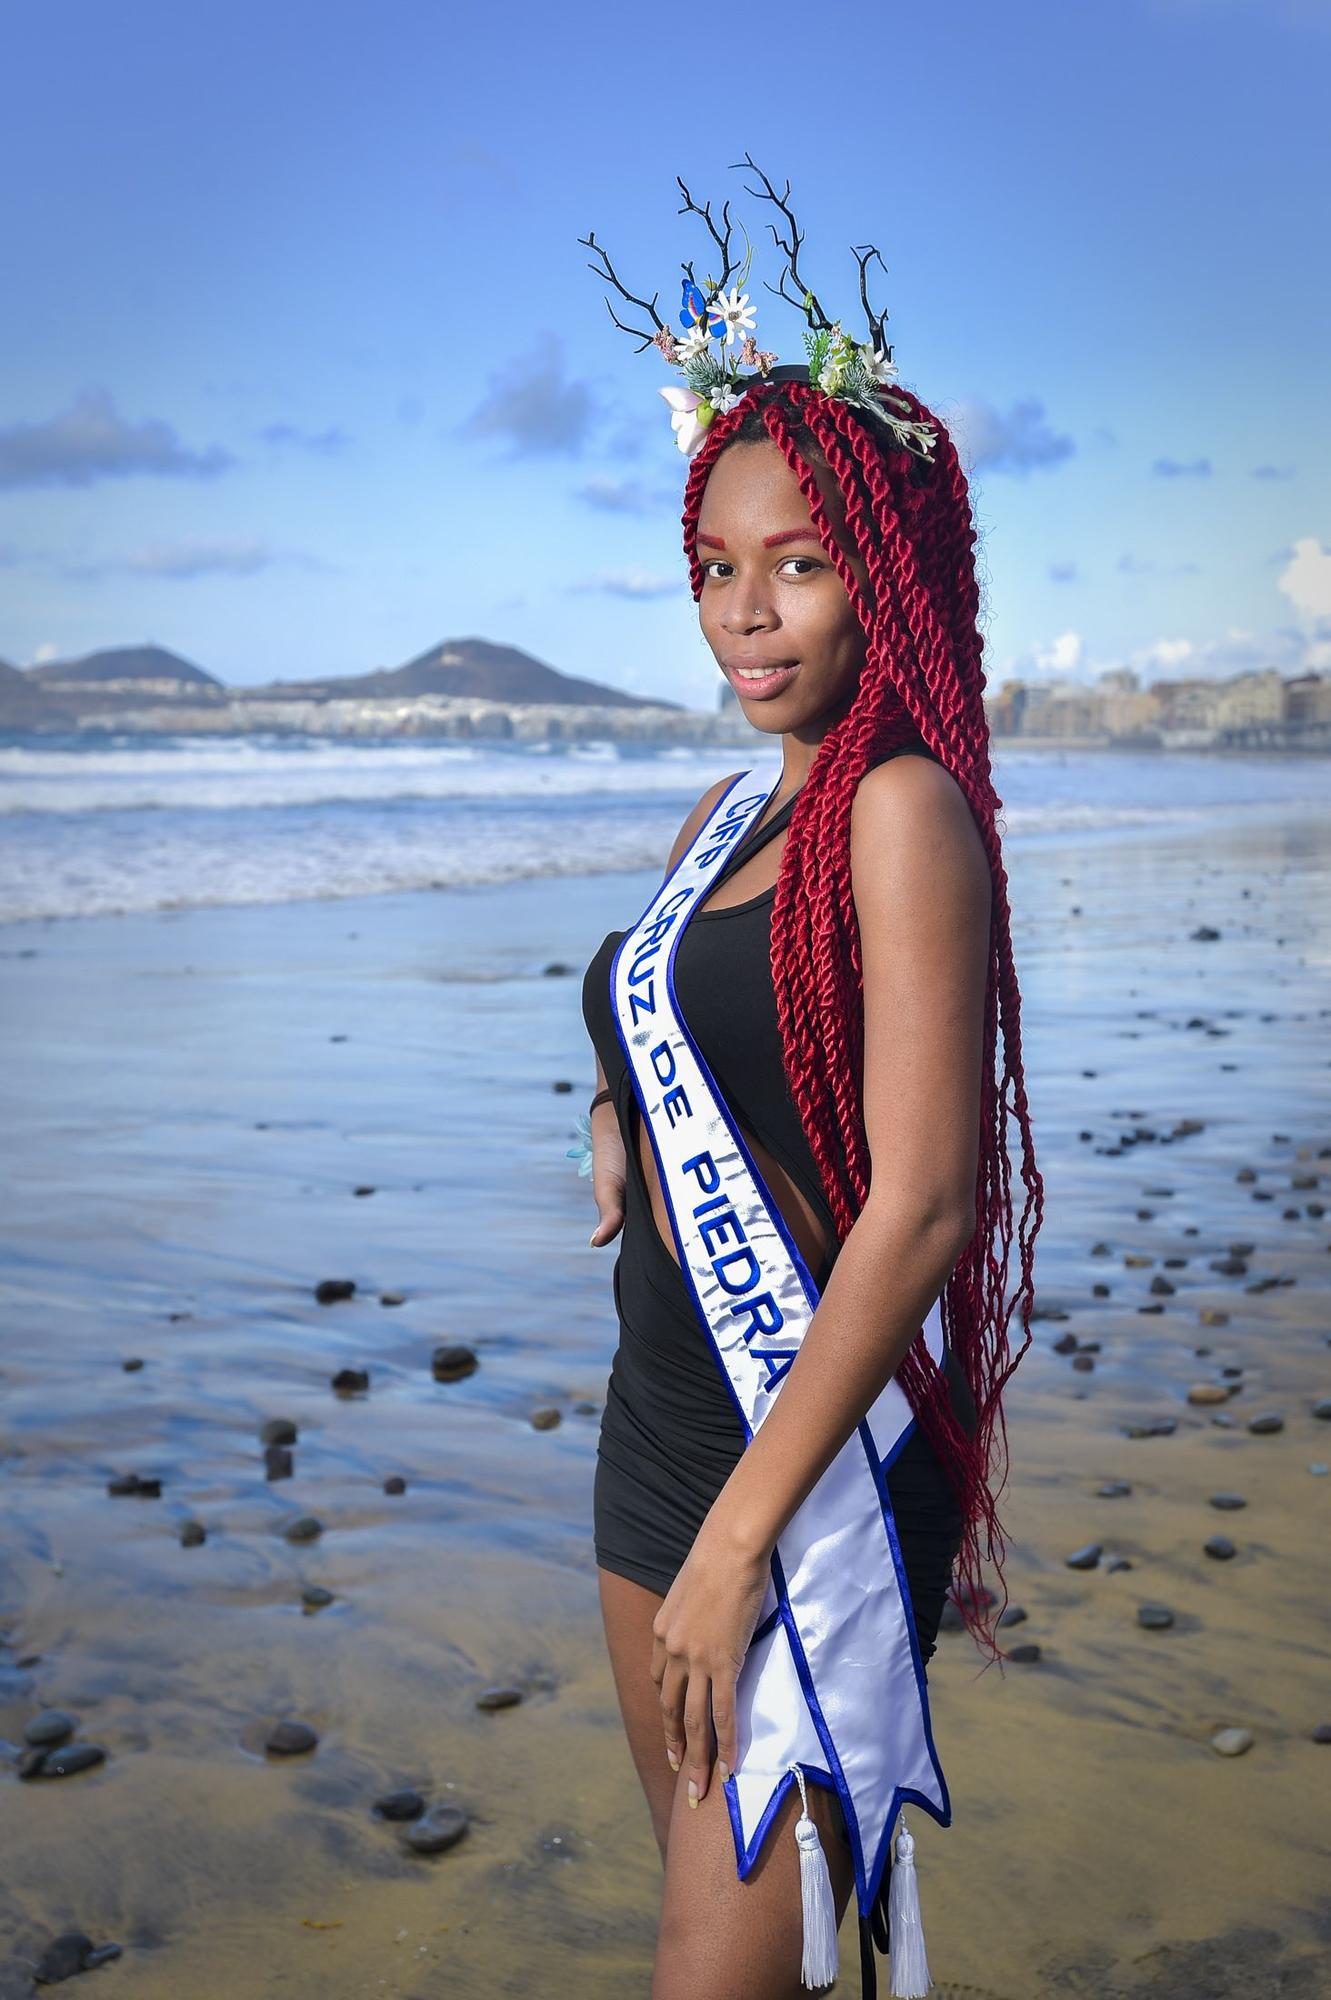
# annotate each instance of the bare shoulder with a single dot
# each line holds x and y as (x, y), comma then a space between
(705, 805)
(911, 820)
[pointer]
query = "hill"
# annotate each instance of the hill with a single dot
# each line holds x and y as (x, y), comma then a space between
(473, 669)
(123, 663)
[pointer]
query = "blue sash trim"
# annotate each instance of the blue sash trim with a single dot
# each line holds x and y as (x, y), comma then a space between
(772, 1697)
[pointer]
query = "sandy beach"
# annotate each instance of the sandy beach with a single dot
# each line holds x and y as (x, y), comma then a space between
(207, 1113)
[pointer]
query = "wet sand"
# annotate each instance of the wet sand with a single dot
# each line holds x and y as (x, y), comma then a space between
(192, 1101)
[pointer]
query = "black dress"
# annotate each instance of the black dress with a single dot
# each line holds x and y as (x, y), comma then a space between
(669, 1434)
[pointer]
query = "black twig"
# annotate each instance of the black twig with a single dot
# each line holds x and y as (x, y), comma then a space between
(877, 321)
(722, 241)
(805, 300)
(607, 270)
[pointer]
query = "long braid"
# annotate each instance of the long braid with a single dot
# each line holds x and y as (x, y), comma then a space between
(922, 677)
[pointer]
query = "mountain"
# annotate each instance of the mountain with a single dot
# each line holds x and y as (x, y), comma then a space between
(20, 702)
(123, 663)
(474, 669)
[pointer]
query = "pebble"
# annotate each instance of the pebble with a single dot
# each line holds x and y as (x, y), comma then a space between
(305, 1528)
(499, 1697)
(1212, 1316)
(278, 1462)
(1152, 1427)
(69, 1954)
(1228, 1502)
(134, 1483)
(1113, 1489)
(439, 1828)
(451, 1364)
(192, 1534)
(1322, 1733)
(1208, 1392)
(290, 1739)
(1322, 1410)
(331, 1291)
(314, 1597)
(1015, 1614)
(1232, 1742)
(278, 1430)
(1155, 1617)
(392, 1298)
(132, 1365)
(67, 1758)
(51, 1726)
(395, 1483)
(1220, 1547)
(1118, 1562)
(1026, 1652)
(1266, 1423)
(1161, 1286)
(545, 1419)
(1086, 1558)
(351, 1381)
(1083, 1363)
(402, 1805)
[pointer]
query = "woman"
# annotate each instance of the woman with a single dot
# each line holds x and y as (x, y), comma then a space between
(844, 979)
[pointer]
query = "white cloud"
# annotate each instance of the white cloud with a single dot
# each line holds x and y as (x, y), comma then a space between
(986, 440)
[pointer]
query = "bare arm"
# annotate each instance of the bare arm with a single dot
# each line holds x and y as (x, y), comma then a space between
(922, 892)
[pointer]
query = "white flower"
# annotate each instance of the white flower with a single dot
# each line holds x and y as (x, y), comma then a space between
(725, 397)
(695, 342)
(739, 316)
(876, 363)
(689, 417)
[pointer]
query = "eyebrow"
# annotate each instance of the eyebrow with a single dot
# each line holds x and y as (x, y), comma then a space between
(769, 541)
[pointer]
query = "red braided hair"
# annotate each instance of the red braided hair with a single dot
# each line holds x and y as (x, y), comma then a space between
(922, 679)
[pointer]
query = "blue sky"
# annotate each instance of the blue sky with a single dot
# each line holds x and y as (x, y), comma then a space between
(302, 368)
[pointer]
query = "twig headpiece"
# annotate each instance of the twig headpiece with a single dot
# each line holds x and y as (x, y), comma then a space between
(855, 371)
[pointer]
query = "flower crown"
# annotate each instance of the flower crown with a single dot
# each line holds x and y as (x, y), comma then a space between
(854, 371)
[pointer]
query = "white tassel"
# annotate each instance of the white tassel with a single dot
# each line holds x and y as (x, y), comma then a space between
(910, 1967)
(820, 1961)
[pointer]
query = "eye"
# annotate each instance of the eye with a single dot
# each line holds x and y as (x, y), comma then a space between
(719, 562)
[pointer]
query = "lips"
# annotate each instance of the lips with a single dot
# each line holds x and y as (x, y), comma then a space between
(772, 681)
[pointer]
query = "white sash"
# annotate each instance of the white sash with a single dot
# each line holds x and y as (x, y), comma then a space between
(833, 1679)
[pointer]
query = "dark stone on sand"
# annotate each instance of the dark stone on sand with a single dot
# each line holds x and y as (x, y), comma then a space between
(1015, 1614)
(290, 1739)
(1113, 1489)
(305, 1528)
(69, 1954)
(279, 1430)
(499, 1697)
(400, 1806)
(452, 1363)
(1151, 1309)
(1117, 1563)
(555, 970)
(132, 1364)
(1083, 1363)
(134, 1483)
(392, 1298)
(1204, 934)
(278, 1462)
(1266, 1423)
(1099, 1250)
(1065, 1344)
(561, 1085)
(1099, 1291)
(331, 1291)
(441, 1827)
(1026, 1653)
(1151, 1427)
(67, 1758)
(192, 1534)
(1227, 1502)
(1086, 1558)
(1212, 1316)
(1160, 1287)
(545, 1419)
(314, 1597)
(1322, 1733)
(29, 1764)
(1155, 1617)
(1305, 1181)
(1220, 1547)
(395, 1483)
(586, 1408)
(337, 1038)
(361, 1192)
(49, 1727)
(351, 1381)
(1322, 1410)
(1229, 1267)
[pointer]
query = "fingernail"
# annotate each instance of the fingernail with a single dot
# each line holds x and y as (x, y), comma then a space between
(725, 1769)
(672, 1760)
(592, 1237)
(693, 1793)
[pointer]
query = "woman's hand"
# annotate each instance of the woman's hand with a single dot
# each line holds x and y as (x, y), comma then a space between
(700, 1637)
(608, 1169)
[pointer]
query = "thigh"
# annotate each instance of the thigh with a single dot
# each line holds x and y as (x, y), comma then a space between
(726, 1939)
(627, 1611)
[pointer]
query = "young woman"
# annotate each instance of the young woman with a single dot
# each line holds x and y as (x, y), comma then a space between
(844, 979)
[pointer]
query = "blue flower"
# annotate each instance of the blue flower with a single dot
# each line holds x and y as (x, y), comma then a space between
(582, 1152)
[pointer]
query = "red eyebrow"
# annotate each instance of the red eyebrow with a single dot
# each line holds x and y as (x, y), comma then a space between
(769, 541)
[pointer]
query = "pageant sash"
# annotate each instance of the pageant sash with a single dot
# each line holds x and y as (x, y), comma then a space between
(833, 1679)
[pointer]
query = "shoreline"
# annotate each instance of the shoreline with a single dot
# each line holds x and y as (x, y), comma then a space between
(201, 1096)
